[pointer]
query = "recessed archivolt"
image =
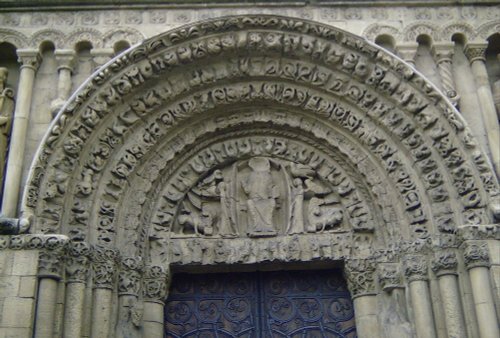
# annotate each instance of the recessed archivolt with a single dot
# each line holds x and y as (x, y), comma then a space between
(132, 36)
(48, 35)
(411, 32)
(488, 29)
(11, 36)
(169, 81)
(374, 30)
(449, 30)
(84, 34)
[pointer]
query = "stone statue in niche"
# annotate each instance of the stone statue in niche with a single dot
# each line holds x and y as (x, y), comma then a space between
(262, 193)
(260, 197)
(6, 113)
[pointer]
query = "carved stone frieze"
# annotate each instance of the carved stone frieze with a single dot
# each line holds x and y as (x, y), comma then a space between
(305, 247)
(476, 254)
(104, 262)
(360, 274)
(156, 283)
(479, 232)
(416, 268)
(445, 263)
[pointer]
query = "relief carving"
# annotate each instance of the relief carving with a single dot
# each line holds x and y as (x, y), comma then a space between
(476, 255)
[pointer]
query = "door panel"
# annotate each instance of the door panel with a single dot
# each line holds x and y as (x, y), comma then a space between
(294, 304)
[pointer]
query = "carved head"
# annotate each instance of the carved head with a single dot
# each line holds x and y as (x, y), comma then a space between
(259, 164)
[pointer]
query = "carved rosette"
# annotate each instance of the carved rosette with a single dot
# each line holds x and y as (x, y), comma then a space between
(445, 263)
(129, 277)
(476, 255)
(156, 284)
(475, 53)
(50, 259)
(360, 275)
(389, 277)
(77, 262)
(104, 266)
(415, 268)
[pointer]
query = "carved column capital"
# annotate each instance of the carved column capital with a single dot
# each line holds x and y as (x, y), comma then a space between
(389, 277)
(104, 263)
(475, 51)
(407, 52)
(444, 52)
(129, 277)
(445, 263)
(65, 59)
(29, 58)
(416, 268)
(50, 259)
(479, 232)
(156, 283)
(476, 254)
(77, 262)
(101, 55)
(360, 275)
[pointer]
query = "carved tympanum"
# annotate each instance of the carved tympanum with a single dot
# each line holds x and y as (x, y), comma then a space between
(260, 197)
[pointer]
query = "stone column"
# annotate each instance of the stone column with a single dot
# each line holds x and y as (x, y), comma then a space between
(129, 285)
(416, 272)
(30, 60)
(444, 266)
(50, 265)
(407, 52)
(477, 262)
(444, 53)
(475, 54)
(65, 59)
(77, 266)
(104, 275)
(101, 55)
(360, 275)
(155, 291)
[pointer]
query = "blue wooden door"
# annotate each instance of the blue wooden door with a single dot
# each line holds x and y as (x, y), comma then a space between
(294, 304)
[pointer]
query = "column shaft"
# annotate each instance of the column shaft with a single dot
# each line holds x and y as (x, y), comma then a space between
(422, 308)
(153, 319)
(483, 301)
(73, 310)
(101, 313)
(18, 136)
(46, 308)
(366, 313)
(448, 286)
(488, 109)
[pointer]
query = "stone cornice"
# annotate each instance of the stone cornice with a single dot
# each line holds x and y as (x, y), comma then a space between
(48, 5)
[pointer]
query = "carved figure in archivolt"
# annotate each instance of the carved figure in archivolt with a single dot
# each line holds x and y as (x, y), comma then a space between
(6, 111)
(262, 193)
(260, 197)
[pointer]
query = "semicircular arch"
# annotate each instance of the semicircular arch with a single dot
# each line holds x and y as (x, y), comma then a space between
(358, 131)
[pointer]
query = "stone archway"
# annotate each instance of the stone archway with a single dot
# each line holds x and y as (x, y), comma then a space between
(272, 138)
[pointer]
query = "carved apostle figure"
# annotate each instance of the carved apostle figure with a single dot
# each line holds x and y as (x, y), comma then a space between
(296, 225)
(261, 194)
(6, 111)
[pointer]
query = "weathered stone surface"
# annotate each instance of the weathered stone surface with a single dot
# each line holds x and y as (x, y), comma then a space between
(246, 141)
